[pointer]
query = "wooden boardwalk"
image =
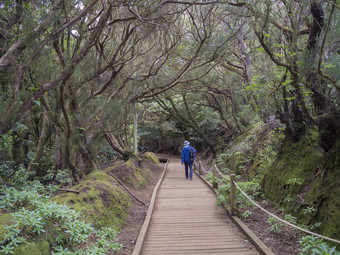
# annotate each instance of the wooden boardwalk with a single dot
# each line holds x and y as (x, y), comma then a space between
(186, 220)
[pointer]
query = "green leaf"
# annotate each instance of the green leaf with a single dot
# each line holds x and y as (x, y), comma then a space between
(37, 102)
(260, 49)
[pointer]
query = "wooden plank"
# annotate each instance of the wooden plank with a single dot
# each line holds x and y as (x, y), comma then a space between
(200, 249)
(260, 246)
(185, 220)
(142, 234)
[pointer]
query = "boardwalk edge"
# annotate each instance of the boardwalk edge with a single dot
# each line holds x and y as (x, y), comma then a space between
(144, 230)
(259, 245)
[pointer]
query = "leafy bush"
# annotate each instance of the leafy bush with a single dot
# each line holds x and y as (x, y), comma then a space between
(62, 177)
(222, 158)
(296, 181)
(315, 246)
(308, 210)
(275, 226)
(35, 215)
(291, 219)
(245, 215)
(210, 178)
(252, 189)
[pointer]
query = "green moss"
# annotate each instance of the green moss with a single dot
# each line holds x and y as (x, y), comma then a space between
(239, 161)
(143, 176)
(130, 163)
(253, 151)
(327, 193)
(294, 175)
(320, 189)
(151, 157)
(131, 173)
(100, 199)
(36, 248)
(298, 160)
(113, 166)
(330, 214)
(5, 219)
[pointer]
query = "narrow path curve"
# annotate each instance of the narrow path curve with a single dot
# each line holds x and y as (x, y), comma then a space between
(186, 220)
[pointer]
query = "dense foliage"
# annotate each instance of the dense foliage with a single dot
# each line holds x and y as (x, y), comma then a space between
(74, 74)
(76, 77)
(35, 218)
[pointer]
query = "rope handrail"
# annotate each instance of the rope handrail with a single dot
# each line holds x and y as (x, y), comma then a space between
(220, 172)
(202, 167)
(206, 171)
(286, 222)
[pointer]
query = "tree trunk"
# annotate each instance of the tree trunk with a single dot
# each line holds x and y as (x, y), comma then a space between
(115, 145)
(58, 154)
(318, 21)
(328, 119)
(41, 143)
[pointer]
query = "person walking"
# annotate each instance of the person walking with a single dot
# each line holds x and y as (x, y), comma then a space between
(188, 158)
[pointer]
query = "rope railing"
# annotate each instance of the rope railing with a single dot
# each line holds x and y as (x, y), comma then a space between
(199, 166)
(233, 184)
(219, 172)
(286, 222)
(205, 170)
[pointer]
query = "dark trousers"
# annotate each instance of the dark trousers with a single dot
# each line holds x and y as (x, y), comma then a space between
(186, 169)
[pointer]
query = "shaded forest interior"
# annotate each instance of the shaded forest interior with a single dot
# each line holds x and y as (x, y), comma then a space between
(252, 84)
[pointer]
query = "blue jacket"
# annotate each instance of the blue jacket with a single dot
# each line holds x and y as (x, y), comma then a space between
(185, 154)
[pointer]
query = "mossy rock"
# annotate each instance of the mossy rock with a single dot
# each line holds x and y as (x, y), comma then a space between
(151, 157)
(36, 248)
(101, 200)
(5, 219)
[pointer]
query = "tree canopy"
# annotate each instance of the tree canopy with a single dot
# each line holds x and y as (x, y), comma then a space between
(74, 73)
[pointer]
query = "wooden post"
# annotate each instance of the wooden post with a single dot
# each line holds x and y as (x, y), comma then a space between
(200, 167)
(232, 194)
(215, 185)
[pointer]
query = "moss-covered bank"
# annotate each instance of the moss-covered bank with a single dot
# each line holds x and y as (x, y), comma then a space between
(101, 199)
(33, 248)
(297, 176)
(304, 177)
(5, 219)
(151, 157)
(132, 172)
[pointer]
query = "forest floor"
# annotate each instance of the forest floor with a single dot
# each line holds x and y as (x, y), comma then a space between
(284, 241)
(129, 233)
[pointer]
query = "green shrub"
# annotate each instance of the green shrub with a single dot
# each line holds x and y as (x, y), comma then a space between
(33, 215)
(252, 189)
(313, 245)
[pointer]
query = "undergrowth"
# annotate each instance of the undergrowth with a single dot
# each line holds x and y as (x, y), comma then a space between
(35, 218)
(309, 245)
